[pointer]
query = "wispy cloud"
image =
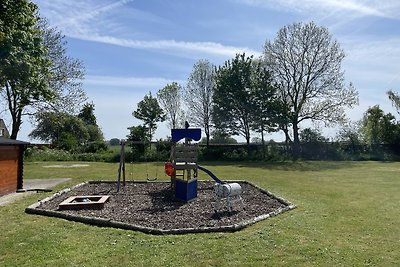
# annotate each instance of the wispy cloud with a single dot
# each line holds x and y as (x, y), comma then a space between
(132, 82)
(375, 61)
(386, 9)
(81, 22)
(181, 47)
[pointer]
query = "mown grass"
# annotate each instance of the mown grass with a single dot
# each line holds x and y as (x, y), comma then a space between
(347, 215)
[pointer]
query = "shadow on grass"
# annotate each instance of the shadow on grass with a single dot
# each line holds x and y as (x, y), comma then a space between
(287, 165)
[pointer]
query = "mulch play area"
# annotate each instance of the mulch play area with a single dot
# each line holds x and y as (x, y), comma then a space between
(150, 207)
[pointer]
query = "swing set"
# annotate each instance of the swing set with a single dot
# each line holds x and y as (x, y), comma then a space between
(122, 165)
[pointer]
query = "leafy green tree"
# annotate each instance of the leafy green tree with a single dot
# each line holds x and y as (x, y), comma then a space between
(309, 135)
(306, 63)
(36, 75)
(87, 114)
(221, 137)
(69, 131)
(49, 126)
(95, 133)
(24, 67)
(61, 129)
(266, 106)
(233, 109)
(170, 99)
(89, 118)
(379, 128)
(138, 136)
(199, 96)
(115, 141)
(149, 111)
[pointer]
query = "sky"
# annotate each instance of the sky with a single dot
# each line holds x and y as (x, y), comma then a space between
(132, 47)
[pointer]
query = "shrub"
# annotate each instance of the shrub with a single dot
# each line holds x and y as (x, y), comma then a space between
(36, 154)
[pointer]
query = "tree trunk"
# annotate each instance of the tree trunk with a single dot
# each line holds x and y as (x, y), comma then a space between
(296, 141)
(263, 144)
(207, 132)
(248, 145)
(285, 130)
(16, 124)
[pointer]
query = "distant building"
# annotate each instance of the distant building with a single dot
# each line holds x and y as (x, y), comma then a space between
(3, 130)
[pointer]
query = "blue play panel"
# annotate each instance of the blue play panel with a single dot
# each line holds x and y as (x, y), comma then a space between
(185, 190)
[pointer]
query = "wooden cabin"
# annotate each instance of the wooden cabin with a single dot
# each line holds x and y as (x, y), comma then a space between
(11, 165)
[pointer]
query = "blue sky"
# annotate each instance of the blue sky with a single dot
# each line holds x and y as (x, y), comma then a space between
(132, 47)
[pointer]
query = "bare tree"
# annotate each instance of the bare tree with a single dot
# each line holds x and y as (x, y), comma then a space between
(170, 100)
(306, 63)
(395, 98)
(199, 95)
(67, 73)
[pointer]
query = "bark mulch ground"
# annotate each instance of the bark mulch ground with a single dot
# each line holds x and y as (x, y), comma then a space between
(151, 208)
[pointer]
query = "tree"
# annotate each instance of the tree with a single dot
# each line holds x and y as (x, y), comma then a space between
(138, 136)
(69, 131)
(379, 128)
(114, 142)
(35, 73)
(149, 111)
(309, 135)
(267, 109)
(232, 109)
(87, 114)
(348, 136)
(62, 129)
(349, 132)
(220, 137)
(24, 66)
(306, 63)
(199, 95)
(95, 133)
(170, 100)
(89, 118)
(395, 98)
(66, 76)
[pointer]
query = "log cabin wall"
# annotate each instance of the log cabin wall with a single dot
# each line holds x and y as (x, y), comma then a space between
(10, 168)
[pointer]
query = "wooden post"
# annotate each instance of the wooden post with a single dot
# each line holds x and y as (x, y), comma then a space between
(121, 166)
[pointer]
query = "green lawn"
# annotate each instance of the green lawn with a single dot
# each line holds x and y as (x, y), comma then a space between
(348, 215)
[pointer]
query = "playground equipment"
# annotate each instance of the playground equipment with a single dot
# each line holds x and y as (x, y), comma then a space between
(121, 168)
(183, 170)
(229, 193)
(182, 167)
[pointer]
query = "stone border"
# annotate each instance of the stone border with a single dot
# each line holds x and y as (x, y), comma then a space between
(33, 209)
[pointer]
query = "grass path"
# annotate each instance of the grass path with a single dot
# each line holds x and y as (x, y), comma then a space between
(348, 215)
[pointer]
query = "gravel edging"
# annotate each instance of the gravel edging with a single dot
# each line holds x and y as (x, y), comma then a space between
(103, 222)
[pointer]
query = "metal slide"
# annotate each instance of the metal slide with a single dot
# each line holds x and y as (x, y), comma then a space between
(212, 175)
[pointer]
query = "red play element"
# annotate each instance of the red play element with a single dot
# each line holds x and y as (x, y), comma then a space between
(169, 168)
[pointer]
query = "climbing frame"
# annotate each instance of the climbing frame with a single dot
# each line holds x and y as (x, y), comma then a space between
(184, 160)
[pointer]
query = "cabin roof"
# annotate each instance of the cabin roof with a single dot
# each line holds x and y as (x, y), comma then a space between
(9, 142)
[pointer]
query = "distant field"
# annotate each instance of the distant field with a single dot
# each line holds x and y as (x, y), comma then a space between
(348, 215)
